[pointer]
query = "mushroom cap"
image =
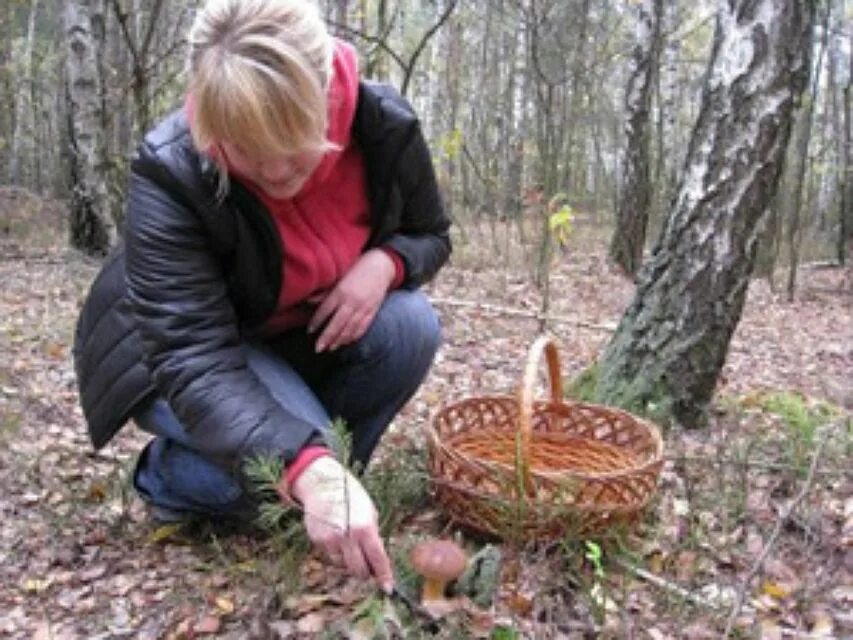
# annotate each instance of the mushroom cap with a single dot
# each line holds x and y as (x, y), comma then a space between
(439, 559)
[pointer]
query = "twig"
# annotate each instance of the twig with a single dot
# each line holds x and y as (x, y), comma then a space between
(782, 519)
(522, 313)
(656, 580)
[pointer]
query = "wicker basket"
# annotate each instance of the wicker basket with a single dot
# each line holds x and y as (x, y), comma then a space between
(530, 470)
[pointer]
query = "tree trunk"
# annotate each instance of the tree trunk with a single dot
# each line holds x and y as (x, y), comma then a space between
(93, 229)
(632, 215)
(666, 355)
(845, 222)
(7, 93)
(804, 136)
(23, 137)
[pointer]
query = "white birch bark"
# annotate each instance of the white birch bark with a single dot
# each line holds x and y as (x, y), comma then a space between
(92, 209)
(668, 351)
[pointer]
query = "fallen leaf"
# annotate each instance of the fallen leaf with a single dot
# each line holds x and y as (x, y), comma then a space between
(655, 562)
(822, 626)
(685, 565)
(55, 350)
(312, 623)
(282, 628)
(208, 625)
(769, 630)
(44, 631)
(775, 590)
(225, 605)
(183, 630)
(520, 604)
(166, 531)
(35, 585)
(92, 573)
(97, 492)
(219, 580)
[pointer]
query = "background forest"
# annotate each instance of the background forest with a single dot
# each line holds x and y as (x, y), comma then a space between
(620, 173)
(521, 101)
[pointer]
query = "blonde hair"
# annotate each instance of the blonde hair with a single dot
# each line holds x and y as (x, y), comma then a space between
(258, 75)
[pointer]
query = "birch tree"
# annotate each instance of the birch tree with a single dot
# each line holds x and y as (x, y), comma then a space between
(669, 348)
(801, 149)
(23, 136)
(93, 228)
(632, 214)
(845, 222)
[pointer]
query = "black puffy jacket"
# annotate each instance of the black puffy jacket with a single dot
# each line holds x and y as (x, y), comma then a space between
(170, 310)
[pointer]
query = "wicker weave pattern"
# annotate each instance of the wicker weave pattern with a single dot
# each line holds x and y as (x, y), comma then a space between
(511, 466)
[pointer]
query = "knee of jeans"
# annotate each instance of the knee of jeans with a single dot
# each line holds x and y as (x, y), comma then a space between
(406, 323)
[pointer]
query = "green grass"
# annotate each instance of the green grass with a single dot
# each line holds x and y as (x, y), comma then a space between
(801, 418)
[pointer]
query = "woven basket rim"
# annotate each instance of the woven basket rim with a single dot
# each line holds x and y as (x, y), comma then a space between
(435, 441)
(651, 427)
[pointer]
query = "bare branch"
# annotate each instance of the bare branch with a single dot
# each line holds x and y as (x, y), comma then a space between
(422, 44)
(152, 23)
(379, 41)
(121, 16)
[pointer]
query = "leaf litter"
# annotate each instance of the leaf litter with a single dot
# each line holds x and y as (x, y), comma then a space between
(79, 558)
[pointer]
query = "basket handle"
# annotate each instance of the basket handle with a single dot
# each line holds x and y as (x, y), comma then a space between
(546, 344)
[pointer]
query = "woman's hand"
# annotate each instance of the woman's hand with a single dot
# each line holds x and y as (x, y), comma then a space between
(351, 305)
(341, 520)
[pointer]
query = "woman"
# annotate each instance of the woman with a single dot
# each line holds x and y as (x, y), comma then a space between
(278, 227)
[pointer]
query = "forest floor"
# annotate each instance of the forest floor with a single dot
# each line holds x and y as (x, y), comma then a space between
(751, 526)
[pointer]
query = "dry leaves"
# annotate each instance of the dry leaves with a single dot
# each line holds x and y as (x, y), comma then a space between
(78, 558)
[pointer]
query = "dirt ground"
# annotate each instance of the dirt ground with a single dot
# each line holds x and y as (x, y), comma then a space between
(80, 559)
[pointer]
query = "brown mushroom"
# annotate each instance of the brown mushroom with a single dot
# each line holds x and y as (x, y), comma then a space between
(439, 562)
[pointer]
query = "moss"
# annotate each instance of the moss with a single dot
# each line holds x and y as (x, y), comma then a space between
(582, 387)
(639, 396)
(800, 415)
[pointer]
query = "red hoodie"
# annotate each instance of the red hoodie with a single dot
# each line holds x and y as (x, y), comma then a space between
(324, 227)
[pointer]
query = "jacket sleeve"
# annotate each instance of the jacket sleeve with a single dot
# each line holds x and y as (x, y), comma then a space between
(189, 330)
(422, 239)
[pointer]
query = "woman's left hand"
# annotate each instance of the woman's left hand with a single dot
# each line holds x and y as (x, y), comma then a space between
(351, 305)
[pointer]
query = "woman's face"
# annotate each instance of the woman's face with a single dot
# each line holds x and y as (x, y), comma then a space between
(279, 176)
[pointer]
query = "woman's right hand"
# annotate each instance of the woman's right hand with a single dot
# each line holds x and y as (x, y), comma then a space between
(341, 520)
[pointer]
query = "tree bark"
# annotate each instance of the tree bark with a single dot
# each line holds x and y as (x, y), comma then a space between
(845, 222)
(23, 137)
(632, 215)
(804, 136)
(667, 353)
(93, 229)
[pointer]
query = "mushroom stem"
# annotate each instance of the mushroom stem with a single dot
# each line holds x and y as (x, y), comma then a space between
(433, 589)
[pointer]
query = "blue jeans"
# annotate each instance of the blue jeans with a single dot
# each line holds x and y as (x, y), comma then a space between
(366, 383)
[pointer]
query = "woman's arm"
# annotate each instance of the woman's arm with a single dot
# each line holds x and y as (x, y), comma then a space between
(189, 330)
(422, 239)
